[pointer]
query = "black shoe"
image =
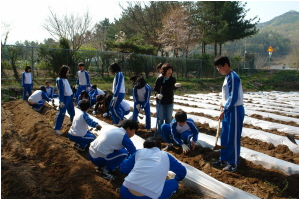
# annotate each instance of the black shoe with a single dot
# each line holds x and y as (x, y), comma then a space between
(219, 163)
(168, 148)
(78, 147)
(231, 168)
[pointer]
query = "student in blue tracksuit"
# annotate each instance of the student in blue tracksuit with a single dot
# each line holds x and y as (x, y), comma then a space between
(79, 132)
(38, 98)
(232, 116)
(65, 98)
(118, 90)
(112, 146)
(147, 171)
(83, 95)
(50, 90)
(83, 80)
(94, 93)
(180, 130)
(141, 97)
(27, 82)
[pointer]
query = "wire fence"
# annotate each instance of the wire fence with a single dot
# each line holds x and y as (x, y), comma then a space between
(45, 64)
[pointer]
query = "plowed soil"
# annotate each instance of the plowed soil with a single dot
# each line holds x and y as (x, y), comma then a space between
(38, 163)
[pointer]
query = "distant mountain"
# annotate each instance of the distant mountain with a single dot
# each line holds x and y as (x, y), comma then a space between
(287, 25)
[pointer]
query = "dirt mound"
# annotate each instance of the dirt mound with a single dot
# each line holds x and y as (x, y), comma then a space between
(37, 163)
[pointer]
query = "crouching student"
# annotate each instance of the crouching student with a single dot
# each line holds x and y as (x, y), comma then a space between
(50, 90)
(38, 98)
(180, 130)
(112, 146)
(94, 93)
(125, 107)
(102, 104)
(141, 97)
(79, 132)
(147, 170)
(83, 95)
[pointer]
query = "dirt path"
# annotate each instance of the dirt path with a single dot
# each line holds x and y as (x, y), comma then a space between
(37, 163)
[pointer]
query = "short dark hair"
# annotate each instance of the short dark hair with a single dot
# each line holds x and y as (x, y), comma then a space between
(159, 65)
(140, 83)
(47, 82)
(84, 104)
(27, 68)
(94, 86)
(81, 64)
(115, 67)
(180, 116)
(152, 142)
(221, 60)
(129, 123)
(100, 97)
(63, 71)
(165, 68)
(84, 92)
(43, 88)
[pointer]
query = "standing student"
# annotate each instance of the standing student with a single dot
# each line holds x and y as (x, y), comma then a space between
(164, 92)
(38, 98)
(83, 80)
(79, 132)
(118, 90)
(181, 130)
(27, 82)
(50, 90)
(141, 97)
(112, 146)
(65, 98)
(147, 170)
(232, 116)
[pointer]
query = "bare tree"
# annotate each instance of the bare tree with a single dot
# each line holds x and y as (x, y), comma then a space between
(178, 32)
(6, 30)
(260, 61)
(74, 28)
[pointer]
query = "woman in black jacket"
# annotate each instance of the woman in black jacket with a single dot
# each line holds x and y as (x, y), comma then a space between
(164, 92)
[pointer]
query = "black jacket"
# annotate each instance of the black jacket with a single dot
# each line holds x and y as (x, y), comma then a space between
(167, 89)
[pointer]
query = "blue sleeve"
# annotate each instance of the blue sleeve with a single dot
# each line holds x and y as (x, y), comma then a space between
(128, 164)
(127, 143)
(147, 95)
(88, 120)
(118, 83)
(52, 92)
(87, 78)
(22, 82)
(31, 80)
(61, 89)
(135, 99)
(174, 132)
(177, 168)
(45, 96)
(193, 128)
(233, 88)
(92, 94)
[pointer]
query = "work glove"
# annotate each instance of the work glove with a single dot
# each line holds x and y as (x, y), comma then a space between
(177, 84)
(115, 99)
(138, 106)
(88, 89)
(185, 148)
(159, 96)
(94, 112)
(98, 127)
(76, 87)
(104, 115)
(61, 104)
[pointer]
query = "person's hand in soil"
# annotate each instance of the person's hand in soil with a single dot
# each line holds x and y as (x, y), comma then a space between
(193, 145)
(185, 148)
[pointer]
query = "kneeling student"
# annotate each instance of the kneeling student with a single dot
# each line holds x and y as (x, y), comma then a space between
(79, 132)
(112, 146)
(147, 170)
(181, 130)
(37, 99)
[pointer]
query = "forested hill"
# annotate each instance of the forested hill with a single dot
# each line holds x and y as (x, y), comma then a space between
(287, 25)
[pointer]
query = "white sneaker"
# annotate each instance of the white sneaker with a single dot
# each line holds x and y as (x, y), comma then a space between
(58, 132)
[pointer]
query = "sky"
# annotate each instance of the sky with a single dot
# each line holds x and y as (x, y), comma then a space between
(25, 18)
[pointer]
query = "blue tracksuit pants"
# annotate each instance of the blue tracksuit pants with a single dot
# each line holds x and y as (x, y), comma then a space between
(69, 106)
(27, 88)
(83, 141)
(79, 90)
(166, 131)
(38, 105)
(232, 125)
(147, 112)
(114, 107)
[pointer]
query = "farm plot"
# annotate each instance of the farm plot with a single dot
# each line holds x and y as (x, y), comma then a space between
(42, 150)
